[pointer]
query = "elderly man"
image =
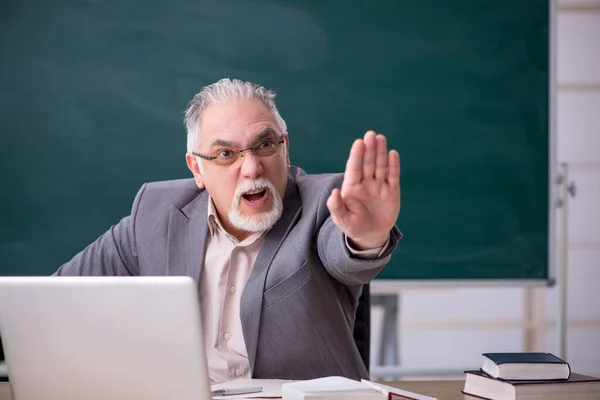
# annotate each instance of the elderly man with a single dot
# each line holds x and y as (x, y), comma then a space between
(280, 256)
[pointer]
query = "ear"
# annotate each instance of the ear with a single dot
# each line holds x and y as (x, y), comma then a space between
(287, 150)
(192, 164)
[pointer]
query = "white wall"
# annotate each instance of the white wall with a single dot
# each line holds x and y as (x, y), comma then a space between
(448, 329)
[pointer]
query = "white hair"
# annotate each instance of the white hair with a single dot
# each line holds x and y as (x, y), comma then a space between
(219, 92)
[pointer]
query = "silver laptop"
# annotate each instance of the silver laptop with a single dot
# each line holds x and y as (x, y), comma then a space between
(103, 338)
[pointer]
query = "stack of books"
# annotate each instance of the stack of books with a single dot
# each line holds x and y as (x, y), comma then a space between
(530, 376)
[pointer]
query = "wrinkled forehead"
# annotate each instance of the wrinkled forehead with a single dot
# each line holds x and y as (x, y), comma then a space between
(236, 121)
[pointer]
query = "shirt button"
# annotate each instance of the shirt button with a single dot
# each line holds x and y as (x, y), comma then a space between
(238, 372)
(227, 335)
(232, 289)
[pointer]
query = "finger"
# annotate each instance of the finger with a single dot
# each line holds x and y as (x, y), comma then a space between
(369, 157)
(354, 166)
(336, 207)
(393, 176)
(381, 162)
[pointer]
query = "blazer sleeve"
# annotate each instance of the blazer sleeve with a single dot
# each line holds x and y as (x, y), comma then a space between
(342, 264)
(112, 254)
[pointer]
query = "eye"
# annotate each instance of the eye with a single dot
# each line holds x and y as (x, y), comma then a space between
(225, 153)
(266, 144)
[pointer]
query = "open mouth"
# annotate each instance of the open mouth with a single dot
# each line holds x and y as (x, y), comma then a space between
(255, 196)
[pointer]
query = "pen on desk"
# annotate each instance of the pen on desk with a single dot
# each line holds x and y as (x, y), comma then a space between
(234, 391)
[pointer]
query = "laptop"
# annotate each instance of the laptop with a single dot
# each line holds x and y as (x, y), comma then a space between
(103, 338)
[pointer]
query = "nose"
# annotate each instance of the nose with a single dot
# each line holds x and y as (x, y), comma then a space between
(251, 167)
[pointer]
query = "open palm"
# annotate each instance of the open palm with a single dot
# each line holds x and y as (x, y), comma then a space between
(368, 204)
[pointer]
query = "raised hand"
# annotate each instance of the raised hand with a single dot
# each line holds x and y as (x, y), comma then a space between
(368, 205)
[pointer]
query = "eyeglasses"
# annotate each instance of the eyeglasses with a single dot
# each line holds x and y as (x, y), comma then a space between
(229, 155)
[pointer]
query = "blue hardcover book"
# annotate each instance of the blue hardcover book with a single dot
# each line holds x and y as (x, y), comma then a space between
(525, 366)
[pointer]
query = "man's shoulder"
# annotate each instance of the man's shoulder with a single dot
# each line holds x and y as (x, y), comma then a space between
(314, 189)
(164, 194)
(316, 182)
(175, 184)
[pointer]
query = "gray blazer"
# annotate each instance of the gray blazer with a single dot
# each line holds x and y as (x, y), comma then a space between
(298, 306)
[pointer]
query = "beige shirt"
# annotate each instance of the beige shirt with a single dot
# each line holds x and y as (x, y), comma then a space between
(227, 266)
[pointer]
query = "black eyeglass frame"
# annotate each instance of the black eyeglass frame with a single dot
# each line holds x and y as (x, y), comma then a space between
(240, 152)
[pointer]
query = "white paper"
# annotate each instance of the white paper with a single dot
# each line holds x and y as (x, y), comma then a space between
(332, 387)
(401, 392)
(271, 388)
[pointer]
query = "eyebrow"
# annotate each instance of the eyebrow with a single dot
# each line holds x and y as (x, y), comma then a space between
(268, 131)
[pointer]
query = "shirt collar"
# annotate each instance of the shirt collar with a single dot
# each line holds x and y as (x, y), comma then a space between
(214, 223)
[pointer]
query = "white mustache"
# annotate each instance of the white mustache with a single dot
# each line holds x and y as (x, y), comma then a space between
(247, 186)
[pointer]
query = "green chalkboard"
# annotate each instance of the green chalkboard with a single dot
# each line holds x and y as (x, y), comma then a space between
(92, 95)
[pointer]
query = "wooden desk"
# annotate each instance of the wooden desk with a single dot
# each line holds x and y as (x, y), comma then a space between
(443, 390)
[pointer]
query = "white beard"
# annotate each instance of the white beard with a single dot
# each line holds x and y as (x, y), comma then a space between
(256, 223)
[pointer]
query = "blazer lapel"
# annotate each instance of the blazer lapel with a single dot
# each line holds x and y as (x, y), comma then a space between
(186, 241)
(251, 301)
